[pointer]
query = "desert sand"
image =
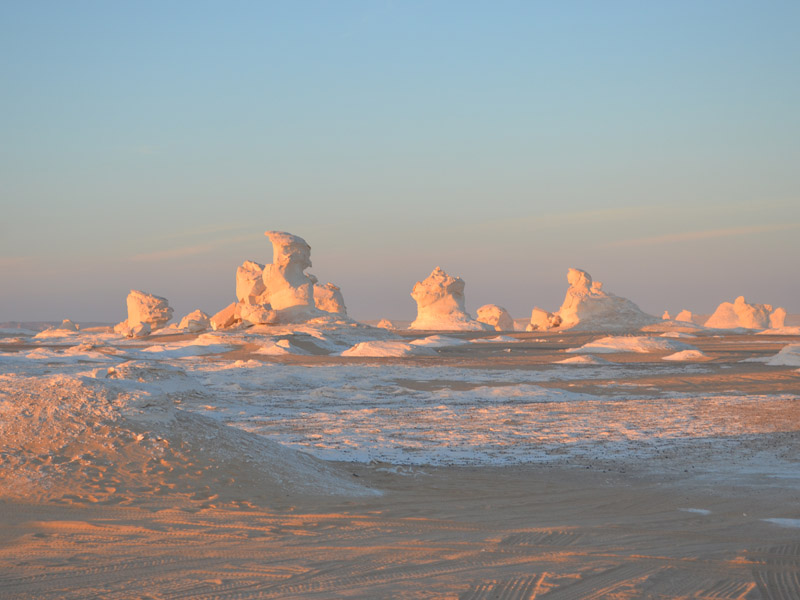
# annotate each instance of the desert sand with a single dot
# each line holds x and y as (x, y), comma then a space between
(191, 465)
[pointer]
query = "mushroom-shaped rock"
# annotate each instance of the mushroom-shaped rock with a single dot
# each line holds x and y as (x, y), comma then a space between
(739, 313)
(666, 316)
(496, 316)
(195, 321)
(440, 304)
(286, 283)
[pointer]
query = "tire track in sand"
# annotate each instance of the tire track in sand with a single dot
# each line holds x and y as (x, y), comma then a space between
(777, 574)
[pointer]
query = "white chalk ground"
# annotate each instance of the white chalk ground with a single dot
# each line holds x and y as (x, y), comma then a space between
(429, 412)
(400, 426)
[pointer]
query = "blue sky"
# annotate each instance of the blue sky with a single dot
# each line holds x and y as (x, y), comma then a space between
(148, 145)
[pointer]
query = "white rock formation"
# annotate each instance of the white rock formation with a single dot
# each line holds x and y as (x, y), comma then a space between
(329, 298)
(684, 315)
(732, 315)
(250, 282)
(227, 317)
(777, 318)
(256, 314)
(541, 319)
(587, 307)
(195, 321)
(496, 316)
(280, 292)
(287, 285)
(385, 324)
(440, 304)
(146, 313)
(666, 316)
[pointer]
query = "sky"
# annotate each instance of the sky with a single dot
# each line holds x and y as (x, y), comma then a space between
(148, 145)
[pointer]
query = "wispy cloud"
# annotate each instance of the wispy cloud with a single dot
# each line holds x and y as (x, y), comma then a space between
(11, 262)
(193, 250)
(690, 236)
(205, 232)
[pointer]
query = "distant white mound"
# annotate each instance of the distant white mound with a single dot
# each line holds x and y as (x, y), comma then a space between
(732, 315)
(686, 355)
(385, 324)
(440, 305)
(587, 307)
(684, 315)
(438, 341)
(790, 330)
(584, 360)
(146, 313)
(789, 356)
(67, 327)
(280, 348)
(666, 316)
(378, 348)
(677, 334)
(195, 322)
(634, 343)
(281, 292)
(496, 316)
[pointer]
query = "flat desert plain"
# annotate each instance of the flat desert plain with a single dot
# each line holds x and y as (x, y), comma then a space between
(262, 463)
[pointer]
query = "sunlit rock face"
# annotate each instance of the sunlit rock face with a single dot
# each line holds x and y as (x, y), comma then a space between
(146, 313)
(256, 314)
(732, 315)
(440, 304)
(684, 315)
(250, 282)
(280, 292)
(541, 319)
(287, 285)
(496, 316)
(777, 318)
(587, 307)
(329, 298)
(227, 317)
(195, 321)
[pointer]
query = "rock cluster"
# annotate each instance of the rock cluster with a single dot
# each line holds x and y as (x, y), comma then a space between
(280, 292)
(586, 306)
(732, 315)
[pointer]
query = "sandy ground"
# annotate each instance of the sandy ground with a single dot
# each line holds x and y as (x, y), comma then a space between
(702, 520)
(439, 533)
